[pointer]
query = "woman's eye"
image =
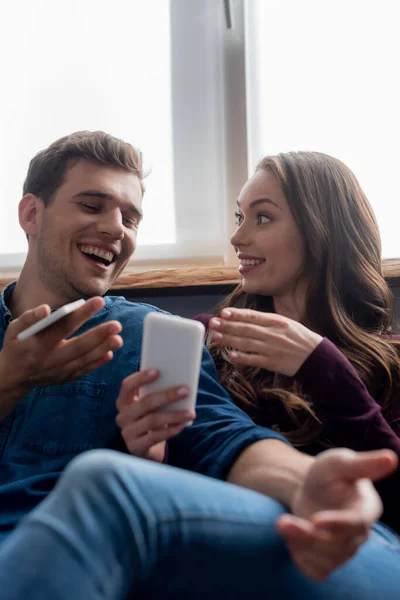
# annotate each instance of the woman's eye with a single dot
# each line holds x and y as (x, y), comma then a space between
(263, 219)
(238, 218)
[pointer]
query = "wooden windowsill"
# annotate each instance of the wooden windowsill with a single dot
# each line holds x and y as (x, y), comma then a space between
(191, 276)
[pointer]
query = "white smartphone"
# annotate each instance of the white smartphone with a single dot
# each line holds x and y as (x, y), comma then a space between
(172, 345)
(52, 318)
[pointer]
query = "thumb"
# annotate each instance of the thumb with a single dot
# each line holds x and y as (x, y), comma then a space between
(373, 465)
(28, 318)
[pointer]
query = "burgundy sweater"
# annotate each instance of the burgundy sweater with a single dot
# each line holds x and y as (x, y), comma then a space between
(351, 416)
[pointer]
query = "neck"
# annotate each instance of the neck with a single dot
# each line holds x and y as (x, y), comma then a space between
(292, 305)
(30, 292)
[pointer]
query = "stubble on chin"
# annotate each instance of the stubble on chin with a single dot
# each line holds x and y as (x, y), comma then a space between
(69, 286)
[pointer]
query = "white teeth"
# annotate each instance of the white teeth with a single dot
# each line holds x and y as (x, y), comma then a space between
(97, 252)
(247, 262)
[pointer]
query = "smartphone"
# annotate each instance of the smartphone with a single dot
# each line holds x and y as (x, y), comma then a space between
(52, 318)
(172, 345)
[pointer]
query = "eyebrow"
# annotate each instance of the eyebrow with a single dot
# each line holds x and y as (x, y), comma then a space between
(133, 210)
(262, 201)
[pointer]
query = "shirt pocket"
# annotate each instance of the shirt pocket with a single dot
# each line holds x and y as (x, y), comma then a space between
(64, 419)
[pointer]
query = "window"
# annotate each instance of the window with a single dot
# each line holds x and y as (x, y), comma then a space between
(323, 76)
(203, 100)
(146, 71)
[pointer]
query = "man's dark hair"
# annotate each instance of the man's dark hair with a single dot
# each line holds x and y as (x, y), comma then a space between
(47, 169)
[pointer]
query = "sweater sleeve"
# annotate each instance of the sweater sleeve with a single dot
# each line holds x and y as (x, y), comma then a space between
(353, 418)
(343, 403)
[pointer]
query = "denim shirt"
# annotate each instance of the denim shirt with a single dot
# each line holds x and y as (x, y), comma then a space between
(52, 424)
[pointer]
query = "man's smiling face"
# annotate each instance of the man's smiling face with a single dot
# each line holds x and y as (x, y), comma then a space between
(87, 233)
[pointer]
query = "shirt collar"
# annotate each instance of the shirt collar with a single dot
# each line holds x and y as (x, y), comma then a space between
(5, 298)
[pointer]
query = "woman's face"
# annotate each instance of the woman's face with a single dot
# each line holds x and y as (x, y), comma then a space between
(267, 240)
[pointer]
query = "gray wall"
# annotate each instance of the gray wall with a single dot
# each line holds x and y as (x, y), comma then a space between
(183, 301)
(190, 301)
(396, 292)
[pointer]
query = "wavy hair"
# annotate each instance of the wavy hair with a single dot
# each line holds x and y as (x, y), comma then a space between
(348, 300)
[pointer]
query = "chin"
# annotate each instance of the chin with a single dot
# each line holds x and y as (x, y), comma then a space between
(253, 287)
(89, 289)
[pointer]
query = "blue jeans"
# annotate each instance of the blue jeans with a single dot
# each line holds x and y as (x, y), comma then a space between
(121, 527)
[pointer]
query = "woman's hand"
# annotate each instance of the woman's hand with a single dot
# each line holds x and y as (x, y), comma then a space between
(334, 509)
(145, 426)
(265, 340)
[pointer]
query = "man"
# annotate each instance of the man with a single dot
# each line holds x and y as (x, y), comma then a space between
(117, 525)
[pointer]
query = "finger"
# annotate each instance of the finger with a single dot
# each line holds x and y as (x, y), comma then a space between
(53, 376)
(247, 315)
(337, 541)
(303, 532)
(154, 401)
(71, 323)
(130, 385)
(246, 330)
(373, 465)
(322, 556)
(357, 520)
(341, 523)
(377, 465)
(265, 333)
(248, 345)
(28, 318)
(312, 564)
(141, 446)
(251, 360)
(70, 363)
(152, 421)
(364, 508)
(294, 528)
(88, 346)
(308, 556)
(346, 535)
(316, 552)
(88, 368)
(122, 402)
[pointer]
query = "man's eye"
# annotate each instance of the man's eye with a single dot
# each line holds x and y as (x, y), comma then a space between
(131, 222)
(91, 207)
(238, 218)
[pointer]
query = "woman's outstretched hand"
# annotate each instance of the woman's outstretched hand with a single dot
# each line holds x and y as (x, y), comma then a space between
(265, 340)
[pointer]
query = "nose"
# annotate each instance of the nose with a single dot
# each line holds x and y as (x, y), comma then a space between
(111, 224)
(240, 238)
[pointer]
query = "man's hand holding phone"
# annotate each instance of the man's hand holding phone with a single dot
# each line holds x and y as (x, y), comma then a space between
(158, 402)
(145, 423)
(47, 357)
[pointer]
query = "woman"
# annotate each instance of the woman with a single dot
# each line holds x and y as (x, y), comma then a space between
(304, 343)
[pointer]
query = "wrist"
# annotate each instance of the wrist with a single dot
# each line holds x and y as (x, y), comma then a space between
(11, 389)
(295, 474)
(312, 342)
(273, 468)
(308, 346)
(9, 381)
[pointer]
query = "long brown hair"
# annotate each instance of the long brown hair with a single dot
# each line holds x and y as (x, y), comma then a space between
(348, 299)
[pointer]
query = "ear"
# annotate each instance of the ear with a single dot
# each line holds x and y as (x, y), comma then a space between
(29, 210)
